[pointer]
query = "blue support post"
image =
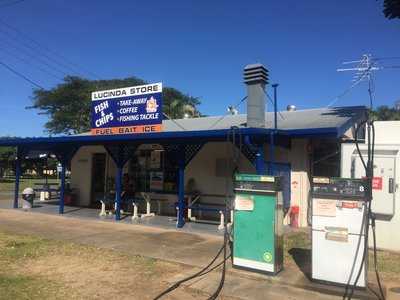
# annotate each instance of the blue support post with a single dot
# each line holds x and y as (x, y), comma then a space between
(260, 161)
(181, 192)
(271, 154)
(118, 190)
(17, 178)
(62, 188)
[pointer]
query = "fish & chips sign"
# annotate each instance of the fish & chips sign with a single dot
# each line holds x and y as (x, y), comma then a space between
(128, 110)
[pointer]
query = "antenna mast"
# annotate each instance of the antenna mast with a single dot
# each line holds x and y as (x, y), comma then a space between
(364, 70)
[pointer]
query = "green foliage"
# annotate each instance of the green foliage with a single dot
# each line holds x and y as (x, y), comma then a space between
(385, 113)
(68, 104)
(391, 9)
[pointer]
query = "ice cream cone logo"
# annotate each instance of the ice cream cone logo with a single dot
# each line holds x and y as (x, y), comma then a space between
(151, 105)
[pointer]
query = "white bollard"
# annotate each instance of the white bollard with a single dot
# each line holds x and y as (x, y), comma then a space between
(135, 212)
(177, 215)
(42, 196)
(148, 207)
(103, 212)
(190, 218)
(221, 221)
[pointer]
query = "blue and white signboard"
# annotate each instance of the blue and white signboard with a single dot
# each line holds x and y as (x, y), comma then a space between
(136, 109)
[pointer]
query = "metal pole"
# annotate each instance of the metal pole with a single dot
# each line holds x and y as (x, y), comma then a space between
(181, 193)
(273, 132)
(275, 85)
(17, 178)
(62, 188)
(118, 190)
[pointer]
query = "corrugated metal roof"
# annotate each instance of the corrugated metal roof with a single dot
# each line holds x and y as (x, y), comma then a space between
(318, 118)
(323, 122)
(287, 120)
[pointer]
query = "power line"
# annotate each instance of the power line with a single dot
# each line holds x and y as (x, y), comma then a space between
(32, 52)
(227, 114)
(61, 58)
(272, 102)
(21, 75)
(26, 61)
(38, 58)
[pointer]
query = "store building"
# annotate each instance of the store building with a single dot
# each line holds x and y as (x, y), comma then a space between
(200, 155)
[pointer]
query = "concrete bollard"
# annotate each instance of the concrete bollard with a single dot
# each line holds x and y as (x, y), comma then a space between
(103, 212)
(135, 215)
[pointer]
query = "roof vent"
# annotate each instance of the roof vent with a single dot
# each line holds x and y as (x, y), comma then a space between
(255, 77)
(291, 107)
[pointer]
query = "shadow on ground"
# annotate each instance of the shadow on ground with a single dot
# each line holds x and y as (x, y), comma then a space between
(302, 258)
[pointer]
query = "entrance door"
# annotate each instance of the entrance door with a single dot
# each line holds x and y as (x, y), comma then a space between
(98, 177)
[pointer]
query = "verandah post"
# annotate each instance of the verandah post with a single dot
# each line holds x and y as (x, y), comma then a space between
(181, 190)
(17, 177)
(62, 188)
(118, 190)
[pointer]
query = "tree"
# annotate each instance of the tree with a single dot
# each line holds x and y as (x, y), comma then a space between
(68, 104)
(7, 156)
(391, 9)
(385, 113)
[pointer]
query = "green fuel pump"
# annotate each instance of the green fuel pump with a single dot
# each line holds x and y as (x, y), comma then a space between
(258, 223)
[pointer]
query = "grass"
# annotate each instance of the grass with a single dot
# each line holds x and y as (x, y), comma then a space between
(8, 185)
(37, 268)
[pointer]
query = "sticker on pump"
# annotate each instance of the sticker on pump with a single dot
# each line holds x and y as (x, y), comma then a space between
(244, 203)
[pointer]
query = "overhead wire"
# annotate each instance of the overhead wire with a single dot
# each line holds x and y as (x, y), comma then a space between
(61, 59)
(21, 75)
(272, 102)
(29, 62)
(346, 91)
(227, 114)
(33, 54)
(174, 121)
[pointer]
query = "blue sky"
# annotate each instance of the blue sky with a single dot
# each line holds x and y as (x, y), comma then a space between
(199, 47)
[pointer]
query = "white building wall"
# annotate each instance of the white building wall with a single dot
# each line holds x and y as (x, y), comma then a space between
(203, 168)
(300, 177)
(387, 235)
(387, 132)
(81, 172)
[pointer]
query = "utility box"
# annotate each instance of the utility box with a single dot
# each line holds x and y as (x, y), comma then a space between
(258, 223)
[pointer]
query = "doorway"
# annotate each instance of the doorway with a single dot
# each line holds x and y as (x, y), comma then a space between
(98, 178)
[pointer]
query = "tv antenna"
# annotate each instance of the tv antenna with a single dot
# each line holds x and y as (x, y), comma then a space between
(364, 69)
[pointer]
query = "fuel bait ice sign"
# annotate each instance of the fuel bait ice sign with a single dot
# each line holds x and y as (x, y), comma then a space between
(128, 110)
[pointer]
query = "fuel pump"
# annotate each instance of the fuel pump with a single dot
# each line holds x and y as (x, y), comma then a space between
(258, 223)
(339, 218)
